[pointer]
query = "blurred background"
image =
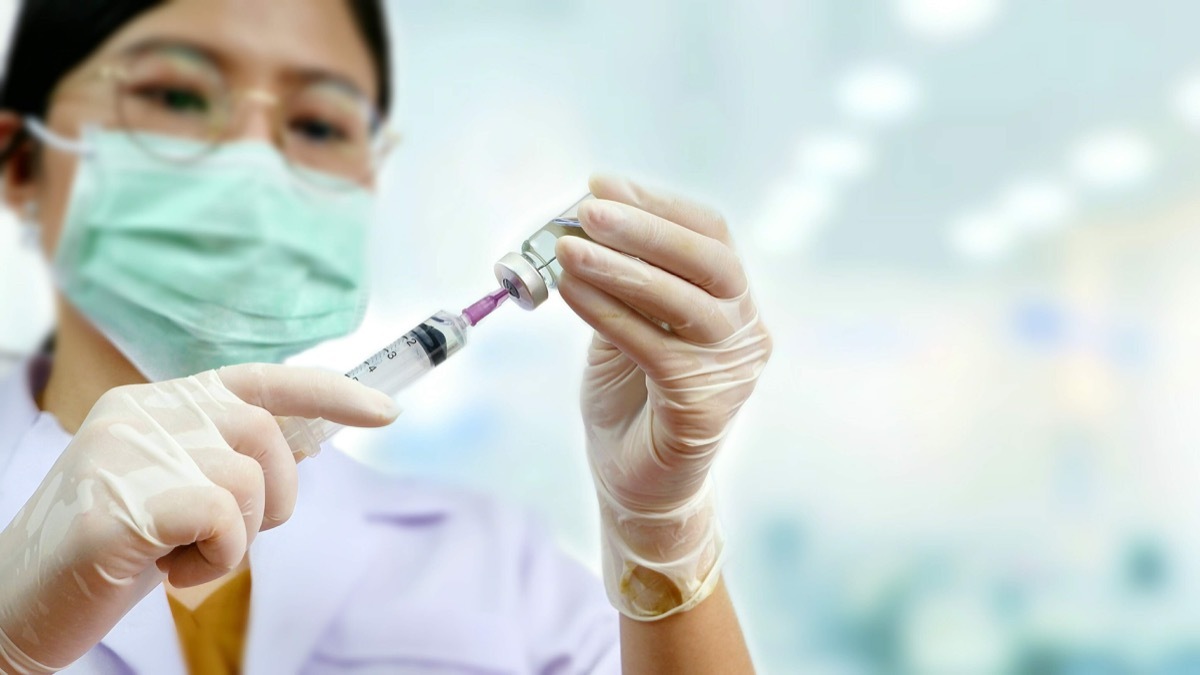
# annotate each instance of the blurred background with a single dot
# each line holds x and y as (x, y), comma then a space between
(972, 226)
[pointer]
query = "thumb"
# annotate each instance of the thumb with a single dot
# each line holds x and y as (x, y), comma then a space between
(614, 387)
(286, 391)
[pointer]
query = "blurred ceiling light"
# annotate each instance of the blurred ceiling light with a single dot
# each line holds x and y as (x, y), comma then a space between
(947, 20)
(982, 237)
(1037, 205)
(792, 214)
(1187, 100)
(879, 94)
(1113, 159)
(836, 157)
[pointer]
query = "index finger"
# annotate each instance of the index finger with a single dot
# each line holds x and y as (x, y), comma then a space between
(288, 391)
(679, 210)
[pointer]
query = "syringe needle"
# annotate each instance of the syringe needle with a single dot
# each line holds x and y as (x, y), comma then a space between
(485, 306)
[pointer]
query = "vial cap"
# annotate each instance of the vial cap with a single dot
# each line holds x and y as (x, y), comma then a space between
(517, 275)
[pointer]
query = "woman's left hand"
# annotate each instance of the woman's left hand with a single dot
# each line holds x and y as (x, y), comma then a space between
(677, 349)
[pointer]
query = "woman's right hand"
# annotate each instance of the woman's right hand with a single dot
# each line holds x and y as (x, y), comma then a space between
(172, 479)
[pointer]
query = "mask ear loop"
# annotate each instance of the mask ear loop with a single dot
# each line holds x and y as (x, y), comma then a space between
(31, 227)
(51, 138)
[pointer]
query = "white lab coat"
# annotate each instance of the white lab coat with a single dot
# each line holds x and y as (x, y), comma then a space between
(373, 574)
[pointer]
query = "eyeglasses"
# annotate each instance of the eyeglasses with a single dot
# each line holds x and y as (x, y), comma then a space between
(327, 129)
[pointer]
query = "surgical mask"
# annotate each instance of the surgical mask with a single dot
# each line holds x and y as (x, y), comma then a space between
(228, 259)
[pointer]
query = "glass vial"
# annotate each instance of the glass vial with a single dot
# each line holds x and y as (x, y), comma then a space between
(530, 275)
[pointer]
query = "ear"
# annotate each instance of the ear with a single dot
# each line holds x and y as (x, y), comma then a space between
(18, 168)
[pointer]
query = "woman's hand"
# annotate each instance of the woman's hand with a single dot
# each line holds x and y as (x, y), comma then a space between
(677, 350)
(168, 479)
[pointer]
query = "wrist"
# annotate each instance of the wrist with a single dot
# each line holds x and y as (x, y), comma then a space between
(657, 564)
(14, 661)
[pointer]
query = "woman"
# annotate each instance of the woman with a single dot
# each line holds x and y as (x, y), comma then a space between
(201, 174)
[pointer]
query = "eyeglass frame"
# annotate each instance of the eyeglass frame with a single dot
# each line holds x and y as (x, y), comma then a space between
(385, 141)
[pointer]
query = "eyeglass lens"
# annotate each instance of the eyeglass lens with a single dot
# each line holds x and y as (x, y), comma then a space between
(321, 125)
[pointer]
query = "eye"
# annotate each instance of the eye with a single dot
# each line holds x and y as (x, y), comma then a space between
(316, 130)
(174, 99)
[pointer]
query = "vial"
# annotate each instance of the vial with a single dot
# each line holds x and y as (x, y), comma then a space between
(530, 275)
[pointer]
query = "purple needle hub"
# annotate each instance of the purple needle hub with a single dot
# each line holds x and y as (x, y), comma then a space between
(488, 304)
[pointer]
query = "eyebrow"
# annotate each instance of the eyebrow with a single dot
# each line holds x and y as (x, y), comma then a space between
(312, 74)
(172, 44)
(305, 74)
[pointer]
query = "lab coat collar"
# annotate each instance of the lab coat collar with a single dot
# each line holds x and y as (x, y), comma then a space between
(30, 440)
(18, 412)
(145, 638)
(329, 541)
(286, 620)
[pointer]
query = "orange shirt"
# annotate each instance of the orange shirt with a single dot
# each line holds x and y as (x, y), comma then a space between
(213, 635)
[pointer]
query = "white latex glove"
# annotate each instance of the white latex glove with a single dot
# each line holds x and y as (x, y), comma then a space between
(167, 479)
(656, 402)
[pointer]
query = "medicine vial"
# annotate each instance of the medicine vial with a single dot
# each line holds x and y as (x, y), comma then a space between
(530, 275)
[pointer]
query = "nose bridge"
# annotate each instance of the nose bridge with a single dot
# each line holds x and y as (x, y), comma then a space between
(257, 115)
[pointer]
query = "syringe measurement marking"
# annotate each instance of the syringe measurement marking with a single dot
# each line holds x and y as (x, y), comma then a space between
(431, 340)
(390, 352)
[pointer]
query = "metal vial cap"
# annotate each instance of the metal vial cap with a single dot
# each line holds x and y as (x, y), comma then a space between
(522, 280)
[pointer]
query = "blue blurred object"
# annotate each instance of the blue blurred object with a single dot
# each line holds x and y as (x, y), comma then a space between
(1146, 568)
(1041, 324)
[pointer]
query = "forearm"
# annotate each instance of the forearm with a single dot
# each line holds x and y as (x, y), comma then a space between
(706, 639)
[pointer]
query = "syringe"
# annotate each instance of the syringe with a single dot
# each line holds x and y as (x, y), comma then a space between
(397, 365)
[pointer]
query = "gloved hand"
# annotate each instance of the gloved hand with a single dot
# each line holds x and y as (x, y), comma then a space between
(677, 350)
(172, 479)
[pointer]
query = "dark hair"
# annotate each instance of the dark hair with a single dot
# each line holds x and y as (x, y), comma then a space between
(52, 37)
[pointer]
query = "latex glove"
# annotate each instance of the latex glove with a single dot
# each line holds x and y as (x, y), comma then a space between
(657, 403)
(167, 479)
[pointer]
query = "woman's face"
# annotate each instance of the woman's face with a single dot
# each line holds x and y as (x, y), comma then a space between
(276, 47)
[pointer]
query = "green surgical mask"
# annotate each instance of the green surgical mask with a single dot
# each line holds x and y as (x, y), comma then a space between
(229, 259)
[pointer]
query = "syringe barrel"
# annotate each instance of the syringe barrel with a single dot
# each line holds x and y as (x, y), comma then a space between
(305, 436)
(530, 275)
(389, 370)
